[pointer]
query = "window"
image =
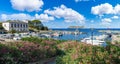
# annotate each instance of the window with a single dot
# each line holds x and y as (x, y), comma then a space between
(12, 25)
(26, 25)
(21, 25)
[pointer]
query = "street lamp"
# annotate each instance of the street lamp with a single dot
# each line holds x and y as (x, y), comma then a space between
(76, 32)
(92, 33)
(92, 39)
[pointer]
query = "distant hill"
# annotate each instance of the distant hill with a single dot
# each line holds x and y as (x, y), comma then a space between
(76, 27)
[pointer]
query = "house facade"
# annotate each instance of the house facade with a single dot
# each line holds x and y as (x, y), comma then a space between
(15, 25)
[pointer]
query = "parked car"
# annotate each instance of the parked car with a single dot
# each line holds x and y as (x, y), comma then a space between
(16, 38)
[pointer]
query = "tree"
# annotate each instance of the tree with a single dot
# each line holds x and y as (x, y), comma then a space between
(36, 21)
(44, 28)
(12, 31)
(1, 27)
(36, 25)
(8, 20)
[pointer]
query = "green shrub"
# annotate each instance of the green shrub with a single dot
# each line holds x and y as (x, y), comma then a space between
(78, 53)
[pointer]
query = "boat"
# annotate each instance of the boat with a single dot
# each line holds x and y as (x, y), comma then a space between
(46, 35)
(101, 37)
(57, 34)
(94, 41)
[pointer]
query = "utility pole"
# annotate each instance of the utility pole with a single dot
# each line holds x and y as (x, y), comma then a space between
(92, 33)
(92, 40)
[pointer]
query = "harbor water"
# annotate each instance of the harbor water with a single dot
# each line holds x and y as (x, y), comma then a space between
(85, 33)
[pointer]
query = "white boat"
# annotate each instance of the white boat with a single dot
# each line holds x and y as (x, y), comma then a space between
(101, 37)
(57, 34)
(93, 41)
(46, 35)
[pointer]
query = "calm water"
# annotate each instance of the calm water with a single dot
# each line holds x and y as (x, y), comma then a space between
(88, 32)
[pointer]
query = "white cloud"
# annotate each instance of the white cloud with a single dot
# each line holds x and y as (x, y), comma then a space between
(28, 5)
(105, 8)
(44, 17)
(106, 21)
(20, 16)
(105, 24)
(3, 16)
(68, 14)
(115, 17)
(92, 21)
(117, 9)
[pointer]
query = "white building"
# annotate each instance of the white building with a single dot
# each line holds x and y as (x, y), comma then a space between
(15, 25)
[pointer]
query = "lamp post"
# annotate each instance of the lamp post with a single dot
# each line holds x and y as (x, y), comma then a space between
(92, 33)
(92, 39)
(76, 33)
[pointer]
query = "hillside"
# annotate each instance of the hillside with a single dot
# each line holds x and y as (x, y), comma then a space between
(36, 25)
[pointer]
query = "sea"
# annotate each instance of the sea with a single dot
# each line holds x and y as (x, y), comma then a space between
(87, 32)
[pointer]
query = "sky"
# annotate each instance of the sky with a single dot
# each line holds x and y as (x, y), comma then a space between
(64, 13)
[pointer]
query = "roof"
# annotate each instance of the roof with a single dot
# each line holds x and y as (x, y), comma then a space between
(14, 21)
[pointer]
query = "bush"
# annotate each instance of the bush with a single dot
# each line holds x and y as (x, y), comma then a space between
(32, 49)
(79, 53)
(32, 39)
(8, 54)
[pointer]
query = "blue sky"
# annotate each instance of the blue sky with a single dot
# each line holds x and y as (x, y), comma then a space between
(64, 13)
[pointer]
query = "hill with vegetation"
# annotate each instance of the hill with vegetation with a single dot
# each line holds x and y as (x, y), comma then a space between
(36, 25)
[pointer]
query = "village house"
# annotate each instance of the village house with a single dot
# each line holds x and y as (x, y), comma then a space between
(15, 25)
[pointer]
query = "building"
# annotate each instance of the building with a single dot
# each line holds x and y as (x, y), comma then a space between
(15, 25)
